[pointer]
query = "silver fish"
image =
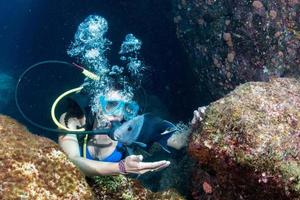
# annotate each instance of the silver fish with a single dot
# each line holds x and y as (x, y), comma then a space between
(144, 130)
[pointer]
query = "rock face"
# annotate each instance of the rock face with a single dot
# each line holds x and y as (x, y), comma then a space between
(234, 41)
(33, 167)
(249, 143)
(123, 188)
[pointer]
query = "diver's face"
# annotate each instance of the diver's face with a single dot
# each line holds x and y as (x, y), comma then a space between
(111, 118)
(104, 120)
(113, 97)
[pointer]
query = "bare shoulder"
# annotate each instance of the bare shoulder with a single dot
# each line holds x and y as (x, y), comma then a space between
(69, 142)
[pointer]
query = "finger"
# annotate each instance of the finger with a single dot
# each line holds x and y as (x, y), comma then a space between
(196, 114)
(137, 158)
(200, 119)
(193, 121)
(147, 170)
(202, 109)
(152, 165)
(161, 167)
(156, 169)
(142, 171)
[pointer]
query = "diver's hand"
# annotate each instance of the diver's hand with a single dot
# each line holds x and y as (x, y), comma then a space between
(198, 116)
(133, 164)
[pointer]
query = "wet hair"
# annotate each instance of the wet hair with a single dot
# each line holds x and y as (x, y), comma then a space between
(73, 110)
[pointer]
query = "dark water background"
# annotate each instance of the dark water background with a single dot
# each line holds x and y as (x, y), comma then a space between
(33, 31)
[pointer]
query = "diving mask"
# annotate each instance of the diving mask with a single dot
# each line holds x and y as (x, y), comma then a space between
(119, 107)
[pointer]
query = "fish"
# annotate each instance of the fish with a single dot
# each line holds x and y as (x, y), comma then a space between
(143, 131)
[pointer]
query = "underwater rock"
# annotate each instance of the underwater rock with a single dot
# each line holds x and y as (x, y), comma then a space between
(34, 167)
(249, 143)
(124, 188)
(234, 41)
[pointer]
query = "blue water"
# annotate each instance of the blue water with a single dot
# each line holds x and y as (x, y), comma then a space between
(33, 31)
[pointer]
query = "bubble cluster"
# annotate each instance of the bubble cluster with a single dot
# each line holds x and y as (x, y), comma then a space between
(130, 45)
(90, 44)
(129, 53)
(90, 47)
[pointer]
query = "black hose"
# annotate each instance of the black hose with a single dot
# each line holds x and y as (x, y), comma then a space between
(58, 131)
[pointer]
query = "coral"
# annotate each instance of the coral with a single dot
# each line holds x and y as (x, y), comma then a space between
(230, 42)
(33, 167)
(249, 142)
(123, 188)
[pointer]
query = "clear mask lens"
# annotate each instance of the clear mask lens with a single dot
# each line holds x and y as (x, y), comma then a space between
(111, 106)
(118, 108)
(131, 110)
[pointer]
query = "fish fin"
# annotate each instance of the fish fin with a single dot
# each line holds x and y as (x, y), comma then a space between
(169, 127)
(165, 148)
(141, 144)
(169, 124)
(168, 131)
(163, 143)
(129, 151)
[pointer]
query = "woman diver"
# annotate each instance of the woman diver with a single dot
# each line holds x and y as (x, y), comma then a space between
(103, 156)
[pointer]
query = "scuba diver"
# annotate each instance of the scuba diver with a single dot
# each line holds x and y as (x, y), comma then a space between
(99, 154)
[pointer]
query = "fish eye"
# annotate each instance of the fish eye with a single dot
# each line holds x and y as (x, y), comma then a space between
(129, 128)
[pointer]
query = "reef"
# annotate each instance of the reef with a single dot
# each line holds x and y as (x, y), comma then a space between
(124, 188)
(230, 42)
(34, 167)
(248, 143)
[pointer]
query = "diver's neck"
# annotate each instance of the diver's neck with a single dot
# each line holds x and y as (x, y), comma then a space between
(102, 151)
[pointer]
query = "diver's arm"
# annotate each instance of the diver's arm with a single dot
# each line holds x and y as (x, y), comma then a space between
(88, 167)
(70, 146)
(133, 164)
(95, 168)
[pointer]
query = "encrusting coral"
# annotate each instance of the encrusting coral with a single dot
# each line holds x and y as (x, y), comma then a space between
(234, 41)
(34, 167)
(249, 143)
(124, 188)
